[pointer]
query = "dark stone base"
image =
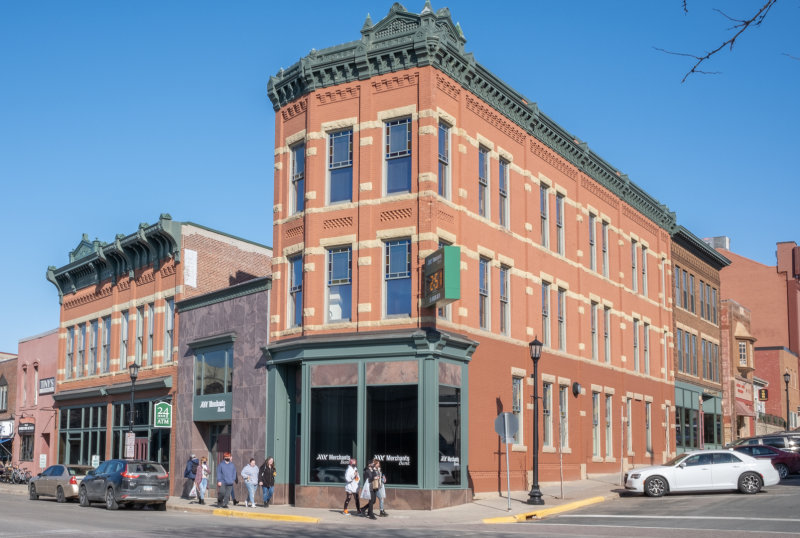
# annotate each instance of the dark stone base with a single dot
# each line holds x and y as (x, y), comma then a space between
(396, 499)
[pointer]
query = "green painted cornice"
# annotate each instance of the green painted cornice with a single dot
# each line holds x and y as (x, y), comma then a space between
(225, 294)
(93, 262)
(404, 40)
(699, 248)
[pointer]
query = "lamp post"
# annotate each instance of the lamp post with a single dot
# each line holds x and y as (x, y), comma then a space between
(133, 370)
(786, 377)
(535, 495)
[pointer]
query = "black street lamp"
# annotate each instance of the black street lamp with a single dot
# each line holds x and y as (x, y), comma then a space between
(786, 378)
(535, 495)
(133, 370)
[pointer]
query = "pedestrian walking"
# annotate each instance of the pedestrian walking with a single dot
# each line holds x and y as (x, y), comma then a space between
(189, 474)
(351, 480)
(250, 476)
(382, 491)
(373, 477)
(266, 479)
(201, 480)
(226, 477)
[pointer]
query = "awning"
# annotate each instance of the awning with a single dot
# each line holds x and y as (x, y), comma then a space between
(5, 440)
(744, 409)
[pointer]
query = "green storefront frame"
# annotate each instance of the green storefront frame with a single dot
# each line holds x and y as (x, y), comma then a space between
(698, 417)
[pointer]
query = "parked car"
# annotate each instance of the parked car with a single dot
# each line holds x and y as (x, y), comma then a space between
(60, 481)
(126, 482)
(703, 470)
(790, 442)
(784, 462)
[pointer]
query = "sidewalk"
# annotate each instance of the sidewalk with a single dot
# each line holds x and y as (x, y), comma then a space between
(486, 508)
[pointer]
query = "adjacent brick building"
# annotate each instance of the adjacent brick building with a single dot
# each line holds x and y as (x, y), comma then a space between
(388, 148)
(8, 404)
(737, 345)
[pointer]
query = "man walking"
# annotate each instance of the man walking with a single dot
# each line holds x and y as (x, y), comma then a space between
(189, 474)
(226, 476)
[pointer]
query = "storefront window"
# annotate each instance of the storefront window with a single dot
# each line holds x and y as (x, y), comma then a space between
(392, 426)
(157, 439)
(333, 432)
(82, 435)
(26, 448)
(449, 436)
(213, 371)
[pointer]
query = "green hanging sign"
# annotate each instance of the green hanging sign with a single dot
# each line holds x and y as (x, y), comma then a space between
(441, 282)
(162, 415)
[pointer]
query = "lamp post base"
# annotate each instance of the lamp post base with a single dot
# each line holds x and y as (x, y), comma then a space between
(535, 496)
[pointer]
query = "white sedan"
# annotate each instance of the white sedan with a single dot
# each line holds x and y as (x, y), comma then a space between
(703, 470)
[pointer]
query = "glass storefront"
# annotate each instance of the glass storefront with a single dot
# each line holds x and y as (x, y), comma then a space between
(698, 418)
(392, 427)
(157, 439)
(333, 427)
(82, 434)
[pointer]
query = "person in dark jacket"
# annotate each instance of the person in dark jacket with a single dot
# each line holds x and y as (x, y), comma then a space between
(266, 479)
(374, 479)
(189, 474)
(226, 477)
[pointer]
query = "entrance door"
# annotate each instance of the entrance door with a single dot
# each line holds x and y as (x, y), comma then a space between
(218, 442)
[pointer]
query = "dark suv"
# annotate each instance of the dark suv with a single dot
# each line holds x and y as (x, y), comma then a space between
(126, 482)
(785, 441)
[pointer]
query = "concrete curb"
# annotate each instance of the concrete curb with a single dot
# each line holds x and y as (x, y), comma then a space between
(257, 515)
(540, 514)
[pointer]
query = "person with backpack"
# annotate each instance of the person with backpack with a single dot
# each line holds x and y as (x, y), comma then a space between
(266, 479)
(189, 474)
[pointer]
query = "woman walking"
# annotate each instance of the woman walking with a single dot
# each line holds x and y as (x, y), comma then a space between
(250, 475)
(266, 479)
(201, 480)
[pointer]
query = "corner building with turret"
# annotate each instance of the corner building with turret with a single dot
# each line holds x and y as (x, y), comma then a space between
(386, 149)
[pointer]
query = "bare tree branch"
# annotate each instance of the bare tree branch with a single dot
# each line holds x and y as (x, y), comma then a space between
(790, 56)
(741, 26)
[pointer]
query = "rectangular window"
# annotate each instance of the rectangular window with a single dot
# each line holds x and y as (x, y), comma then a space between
(546, 313)
(81, 350)
(685, 289)
(648, 426)
(26, 448)
(545, 216)
(679, 349)
(664, 360)
(505, 313)
(397, 277)
(562, 319)
(694, 354)
(339, 283)
(516, 407)
(607, 334)
(70, 351)
(483, 182)
(213, 370)
(392, 427)
(563, 423)
(596, 424)
(703, 300)
(398, 156)
(636, 363)
(592, 241)
(560, 224)
(169, 328)
(662, 269)
(687, 352)
(4, 398)
(646, 346)
(547, 414)
(295, 291)
(333, 430)
(691, 294)
(340, 166)
(644, 270)
(139, 334)
(123, 340)
(714, 306)
(150, 328)
(677, 275)
(93, 335)
(593, 315)
(444, 160)
(609, 426)
(483, 292)
(716, 362)
(105, 358)
(502, 183)
(708, 302)
(629, 424)
(604, 239)
(703, 358)
(449, 435)
(298, 177)
(742, 353)
(634, 266)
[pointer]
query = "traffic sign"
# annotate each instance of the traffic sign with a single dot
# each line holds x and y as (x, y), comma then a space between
(506, 425)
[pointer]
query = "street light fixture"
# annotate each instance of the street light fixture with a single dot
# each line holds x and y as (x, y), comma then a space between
(535, 495)
(133, 370)
(786, 377)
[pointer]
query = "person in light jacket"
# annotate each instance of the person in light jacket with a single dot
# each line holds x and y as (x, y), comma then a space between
(201, 480)
(250, 476)
(351, 480)
(266, 479)
(226, 477)
(374, 479)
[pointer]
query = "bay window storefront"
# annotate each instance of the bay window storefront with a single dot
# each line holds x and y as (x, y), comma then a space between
(399, 397)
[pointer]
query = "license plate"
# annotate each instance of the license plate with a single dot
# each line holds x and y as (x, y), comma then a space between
(147, 488)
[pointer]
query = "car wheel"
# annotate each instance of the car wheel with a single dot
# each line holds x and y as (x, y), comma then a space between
(655, 486)
(32, 492)
(783, 470)
(111, 502)
(83, 498)
(60, 495)
(750, 483)
(161, 507)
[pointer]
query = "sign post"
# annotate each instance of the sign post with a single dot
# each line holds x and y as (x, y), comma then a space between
(506, 425)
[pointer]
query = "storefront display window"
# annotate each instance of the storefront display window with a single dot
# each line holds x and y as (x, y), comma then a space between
(82, 435)
(156, 439)
(392, 427)
(333, 432)
(449, 436)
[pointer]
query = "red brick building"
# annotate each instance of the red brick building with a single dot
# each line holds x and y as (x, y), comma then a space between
(118, 306)
(8, 404)
(388, 148)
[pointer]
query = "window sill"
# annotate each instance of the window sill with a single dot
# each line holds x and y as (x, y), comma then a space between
(610, 459)
(549, 449)
(519, 448)
(597, 459)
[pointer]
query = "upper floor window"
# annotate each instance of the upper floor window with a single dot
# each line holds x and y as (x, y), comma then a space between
(592, 242)
(544, 215)
(546, 314)
(444, 160)
(604, 239)
(502, 183)
(505, 314)
(483, 292)
(685, 288)
(139, 334)
(636, 364)
(607, 334)
(517, 406)
(339, 283)
(93, 334)
(213, 370)
(150, 332)
(68, 366)
(634, 265)
(714, 305)
(593, 322)
(677, 275)
(340, 166)
(742, 353)
(81, 349)
(563, 425)
(105, 359)
(646, 348)
(123, 340)
(397, 277)
(547, 414)
(398, 156)
(562, 319)
(296, 291)
(691, 294)
(679, 349)
(298, 177)
(483, 182)
(3, 394)
(560, 224)
(169, 328)
(644, 270)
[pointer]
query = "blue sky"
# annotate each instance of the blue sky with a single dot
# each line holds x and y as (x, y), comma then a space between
(114, 112)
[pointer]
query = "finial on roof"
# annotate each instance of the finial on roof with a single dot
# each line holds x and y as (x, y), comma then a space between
(367, 23)
(427, 8)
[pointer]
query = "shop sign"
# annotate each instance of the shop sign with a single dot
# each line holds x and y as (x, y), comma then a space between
(47, 385)
(6, 428)
(213, 407)
(441, 283)
(400, 460)
(26, 428)
(162, 415)
(763, 395)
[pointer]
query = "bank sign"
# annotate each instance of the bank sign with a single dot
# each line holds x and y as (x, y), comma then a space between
(213, 407)
(162, 415)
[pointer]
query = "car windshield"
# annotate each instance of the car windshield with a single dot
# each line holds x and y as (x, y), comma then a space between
(675, 461)
(145, 468)
(78, 471)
